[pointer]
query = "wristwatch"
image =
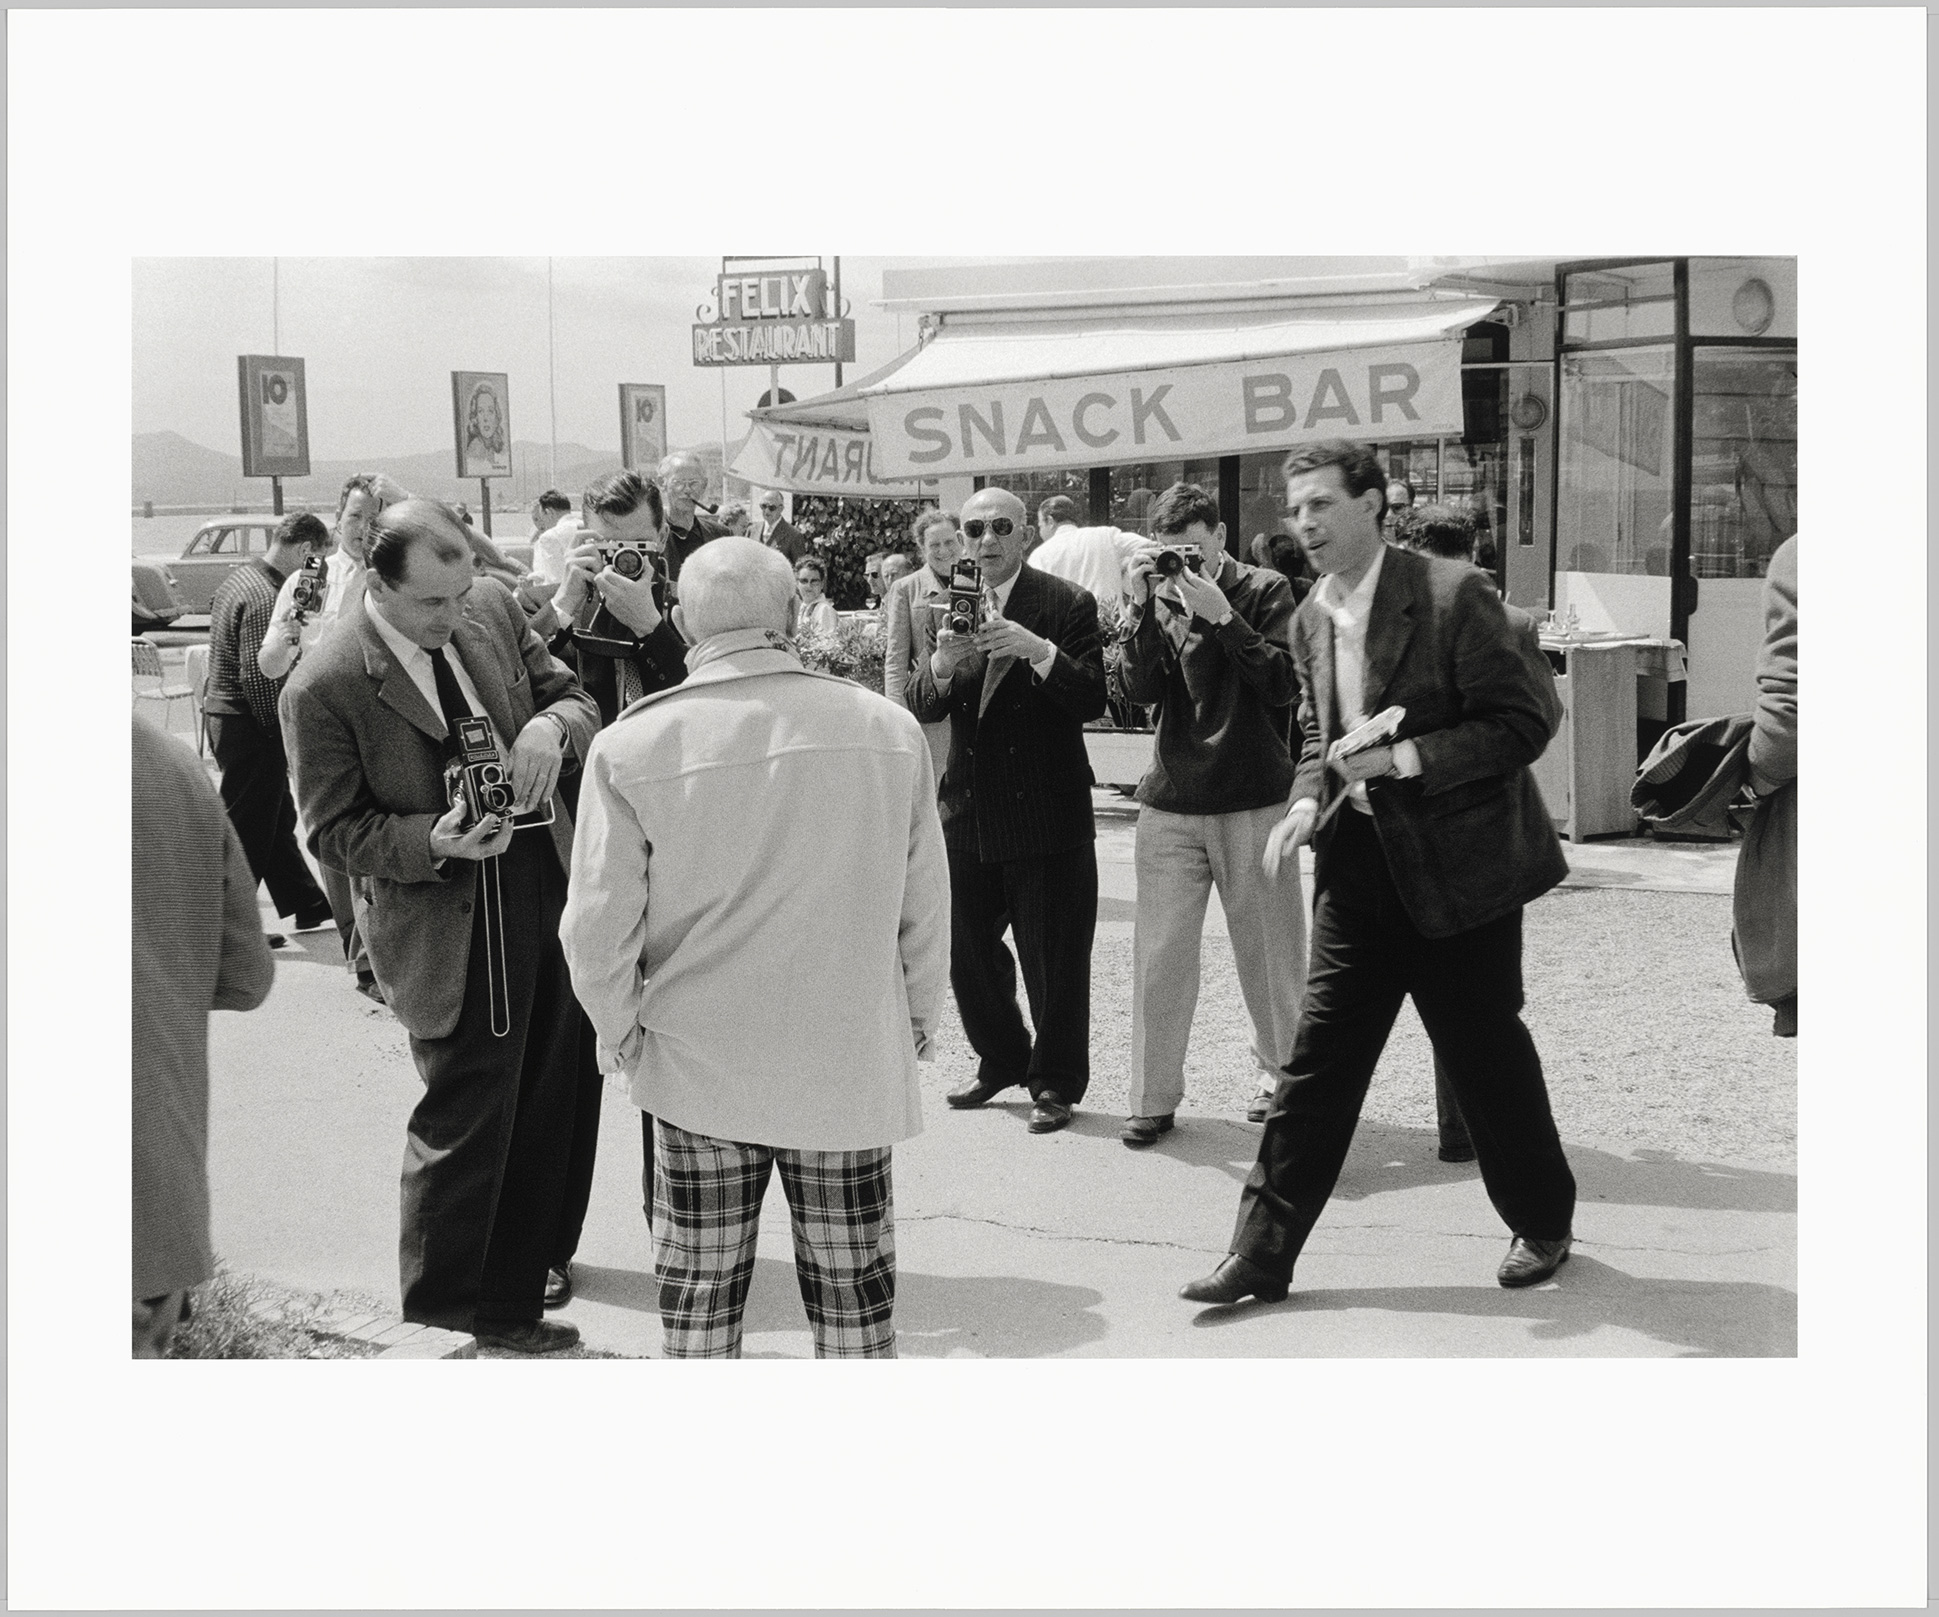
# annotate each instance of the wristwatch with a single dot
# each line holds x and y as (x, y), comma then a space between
(565, 730)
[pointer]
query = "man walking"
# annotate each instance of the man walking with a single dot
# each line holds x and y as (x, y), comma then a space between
(1210, 645)
(765, 989)
(1431, 846)
(463, 917)
(240, 710)
(1016, 812)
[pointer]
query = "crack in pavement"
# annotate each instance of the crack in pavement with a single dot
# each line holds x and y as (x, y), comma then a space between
(1055, 1235)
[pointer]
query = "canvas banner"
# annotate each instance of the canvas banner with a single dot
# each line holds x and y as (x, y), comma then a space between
(817, 460)
(1410, 390)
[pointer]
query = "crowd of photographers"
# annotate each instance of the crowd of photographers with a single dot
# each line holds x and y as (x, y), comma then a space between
(431, 702)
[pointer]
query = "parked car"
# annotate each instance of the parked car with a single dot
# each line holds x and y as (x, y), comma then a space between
(208, 558)
(158, 599)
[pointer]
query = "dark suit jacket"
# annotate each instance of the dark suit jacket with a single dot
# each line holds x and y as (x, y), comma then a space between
(788, 539)
(1468, 839)
(1018, 781)
(367, 753)
(1765, 906)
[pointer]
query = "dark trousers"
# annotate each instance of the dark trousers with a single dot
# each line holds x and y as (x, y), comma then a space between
(1050, 907)
(588, 1086)
(488, 1147)
(1366, 958)
(345, 910)
(256, 792)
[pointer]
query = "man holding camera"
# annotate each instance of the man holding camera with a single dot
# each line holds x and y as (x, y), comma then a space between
(463, 919)
(1426, 849)
(1017, 674)
(615, 596)
(239, 708)
(1209, 643)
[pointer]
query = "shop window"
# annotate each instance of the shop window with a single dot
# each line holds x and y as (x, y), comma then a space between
(1617, 462)
(1614, 305)
(1736, 298)
(1033, 488)
(1134, 487)
(1743, 459)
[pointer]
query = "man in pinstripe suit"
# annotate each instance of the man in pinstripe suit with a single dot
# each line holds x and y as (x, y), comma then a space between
(1016, 812)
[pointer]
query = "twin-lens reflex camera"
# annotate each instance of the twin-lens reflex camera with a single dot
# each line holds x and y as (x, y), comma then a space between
(311, 586)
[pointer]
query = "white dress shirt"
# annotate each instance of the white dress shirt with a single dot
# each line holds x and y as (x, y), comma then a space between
(1350, 611)
(416, 661)
(1091, 558)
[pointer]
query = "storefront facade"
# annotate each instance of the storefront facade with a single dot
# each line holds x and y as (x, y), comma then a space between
(1611, 425)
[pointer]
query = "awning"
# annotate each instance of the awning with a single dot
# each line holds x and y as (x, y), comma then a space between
(822, 445)
(1014, 394)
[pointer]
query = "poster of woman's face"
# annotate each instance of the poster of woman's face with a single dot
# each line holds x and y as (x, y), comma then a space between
(483, 423)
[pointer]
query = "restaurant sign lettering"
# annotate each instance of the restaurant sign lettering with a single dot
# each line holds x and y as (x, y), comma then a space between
(776, 317)
(815, 460)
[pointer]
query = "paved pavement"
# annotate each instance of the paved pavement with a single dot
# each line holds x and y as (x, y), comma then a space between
(1068, 1244)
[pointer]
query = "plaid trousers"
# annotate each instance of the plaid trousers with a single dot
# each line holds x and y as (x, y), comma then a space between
(707, 1216)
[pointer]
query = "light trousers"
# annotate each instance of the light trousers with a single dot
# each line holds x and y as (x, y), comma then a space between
(707, 1216)
(1180, 859)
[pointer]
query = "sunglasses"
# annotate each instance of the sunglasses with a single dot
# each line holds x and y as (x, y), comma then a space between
(1002, 527)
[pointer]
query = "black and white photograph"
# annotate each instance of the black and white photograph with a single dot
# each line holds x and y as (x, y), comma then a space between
(1169, 818)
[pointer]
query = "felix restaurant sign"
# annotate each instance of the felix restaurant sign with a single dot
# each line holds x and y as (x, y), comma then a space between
(1410, 390)
(775, 318)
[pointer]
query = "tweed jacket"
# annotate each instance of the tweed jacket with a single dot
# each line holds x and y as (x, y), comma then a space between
(198, 946)
(367, 753)
(1468, 839)
(1018, 781)
(1765, 901)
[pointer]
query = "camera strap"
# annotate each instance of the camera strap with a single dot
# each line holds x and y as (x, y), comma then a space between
(497, 981)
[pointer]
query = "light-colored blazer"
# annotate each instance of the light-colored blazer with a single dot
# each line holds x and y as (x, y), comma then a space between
(747, 953)
(899, 658)
(367, 755)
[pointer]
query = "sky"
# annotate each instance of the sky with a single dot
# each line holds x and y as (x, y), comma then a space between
(380, 336)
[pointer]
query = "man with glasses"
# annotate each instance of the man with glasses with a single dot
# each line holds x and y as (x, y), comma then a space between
(682, 481)
(778, 533)
(1016, 812)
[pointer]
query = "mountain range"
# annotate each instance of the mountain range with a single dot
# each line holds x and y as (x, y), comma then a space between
(170, 470)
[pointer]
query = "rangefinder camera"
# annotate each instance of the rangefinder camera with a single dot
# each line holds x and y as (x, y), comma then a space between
(475, 777)
(1176, 559)
(306, 595)
(629, 560)
(963, 611)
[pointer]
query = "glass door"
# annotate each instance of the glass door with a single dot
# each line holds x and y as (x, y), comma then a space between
(1616, 471)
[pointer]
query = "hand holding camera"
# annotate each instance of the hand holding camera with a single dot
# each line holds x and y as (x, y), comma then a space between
(310, 588)
(453, 838)
(628, 580)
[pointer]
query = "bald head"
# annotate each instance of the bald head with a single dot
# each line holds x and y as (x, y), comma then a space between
(410, 527)
(735, 583)
(987, 514)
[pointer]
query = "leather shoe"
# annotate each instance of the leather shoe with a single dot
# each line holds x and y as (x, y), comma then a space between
(1145, 1130)
(558, 1286)
(978, 1093)
(1530, 1260)
(1233, 1280)
(1261, 1105)
(1049, 1114)
(310, 920)
(526, 1335)
(367, 986)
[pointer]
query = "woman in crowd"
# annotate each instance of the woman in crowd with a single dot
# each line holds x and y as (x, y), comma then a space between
(939, 541)
(817, 615)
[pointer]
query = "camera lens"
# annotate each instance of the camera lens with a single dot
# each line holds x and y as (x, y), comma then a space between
(629, 563)
(1169, 564)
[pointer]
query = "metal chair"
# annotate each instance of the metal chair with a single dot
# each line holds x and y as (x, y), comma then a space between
(195, 667)
(151, 680)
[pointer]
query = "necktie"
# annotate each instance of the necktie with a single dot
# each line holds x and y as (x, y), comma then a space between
(450, 698)
(626, 678)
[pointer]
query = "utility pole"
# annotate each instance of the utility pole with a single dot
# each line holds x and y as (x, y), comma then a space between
(838, 313)
(552, 380)
(276, 347)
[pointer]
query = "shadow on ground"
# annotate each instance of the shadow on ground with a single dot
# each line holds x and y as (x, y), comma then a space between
(1708, 1319)
(936, 1316)
(1384, 1158)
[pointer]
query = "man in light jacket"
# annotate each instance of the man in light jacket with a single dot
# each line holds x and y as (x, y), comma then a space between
(765, 991)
